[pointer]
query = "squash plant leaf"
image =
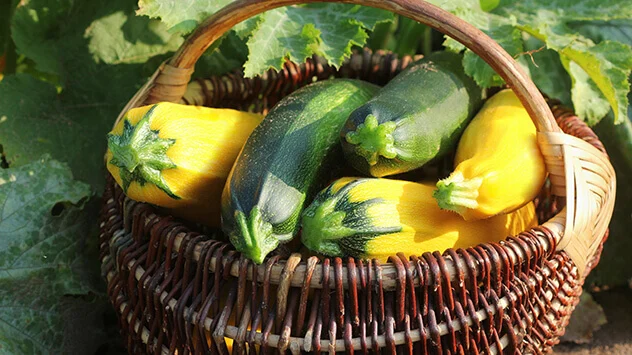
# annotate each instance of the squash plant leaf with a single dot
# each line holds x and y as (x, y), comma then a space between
(598, 70)
(101, 53)
(614, 30)
(230, 53)
(180, 15)
(51, 31)
(298, 32)
(136, 40)
(547, 71)
(294, 32)
(45, 217)
(510, 39)
(6, 8)
(90, 56)
(601, 68)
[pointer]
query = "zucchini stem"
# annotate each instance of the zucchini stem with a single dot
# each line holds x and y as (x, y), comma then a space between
(455, 193)
(141, 154)
(373, 139)
(323, 224)
(255, 238)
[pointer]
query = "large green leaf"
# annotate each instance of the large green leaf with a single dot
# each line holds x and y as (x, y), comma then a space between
(510, 39)
(293, 32)
(553, 12)
(180, 15)
(589, 101)
(615, 30)
(547, 71)
(605, 66)
(36, 120)
(95, 55)
(279, 37)
(135, 40)
(599, 71)
(298, 32)
(43, 230)
(101, 54)
(223, 57)
(6, 9)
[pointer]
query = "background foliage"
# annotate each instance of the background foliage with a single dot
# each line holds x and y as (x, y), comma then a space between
(69, 66)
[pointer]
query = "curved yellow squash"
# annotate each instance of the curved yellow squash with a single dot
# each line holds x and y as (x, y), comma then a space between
(498, 164)
(178, 156)
(377, 218)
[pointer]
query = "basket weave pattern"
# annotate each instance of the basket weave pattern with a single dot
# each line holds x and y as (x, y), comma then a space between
(175, 289)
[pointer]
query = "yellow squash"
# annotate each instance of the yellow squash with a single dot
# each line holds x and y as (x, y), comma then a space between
(498, 165)
(178, 156)
(377, 218)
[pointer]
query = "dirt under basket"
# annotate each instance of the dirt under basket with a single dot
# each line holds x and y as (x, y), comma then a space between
(178, 290)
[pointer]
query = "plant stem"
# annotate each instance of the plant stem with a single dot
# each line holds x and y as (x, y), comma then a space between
(409, 34)
(426, 44)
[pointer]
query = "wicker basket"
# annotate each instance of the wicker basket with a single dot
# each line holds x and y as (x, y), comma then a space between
(178, 290)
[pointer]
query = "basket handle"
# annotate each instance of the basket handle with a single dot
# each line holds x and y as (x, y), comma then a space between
(577, 170)
(214, 27)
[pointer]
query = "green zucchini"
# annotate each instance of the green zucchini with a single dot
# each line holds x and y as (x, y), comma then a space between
(415, 118)
(291, 155)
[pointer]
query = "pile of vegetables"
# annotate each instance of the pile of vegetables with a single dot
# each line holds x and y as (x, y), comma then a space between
(70, 66)
(179, 157)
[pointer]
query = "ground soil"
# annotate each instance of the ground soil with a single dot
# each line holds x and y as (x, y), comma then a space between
(615, 337)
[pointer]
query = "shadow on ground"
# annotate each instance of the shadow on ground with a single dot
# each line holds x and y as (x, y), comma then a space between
(615, 337)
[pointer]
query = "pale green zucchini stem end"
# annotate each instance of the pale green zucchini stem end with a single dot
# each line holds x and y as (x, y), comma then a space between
(373, 139)
(254, 236)
(457, 194)
(323, 226)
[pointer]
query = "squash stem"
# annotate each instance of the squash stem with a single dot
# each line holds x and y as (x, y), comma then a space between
(323, 225)
(373, 140)
(455, 193)
(141, 154)
(254, 237)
